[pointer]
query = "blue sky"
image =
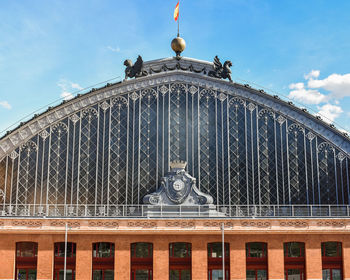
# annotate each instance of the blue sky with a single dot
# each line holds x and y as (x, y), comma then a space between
(51, 49)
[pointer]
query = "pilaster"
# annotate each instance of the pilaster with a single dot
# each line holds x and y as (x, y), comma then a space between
(313, 257)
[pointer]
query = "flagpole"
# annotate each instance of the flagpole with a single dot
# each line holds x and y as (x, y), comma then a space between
(178, 22)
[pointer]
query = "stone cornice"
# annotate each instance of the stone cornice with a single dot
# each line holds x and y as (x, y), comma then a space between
(24, 133)
(169, 226)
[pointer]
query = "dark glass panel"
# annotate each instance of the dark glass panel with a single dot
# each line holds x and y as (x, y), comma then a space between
(331, 249)
(180, 250)
(103, 250)
(142, 250)
(294, 249)
(256, 250)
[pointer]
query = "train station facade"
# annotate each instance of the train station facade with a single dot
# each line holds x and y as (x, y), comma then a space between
(148, 172)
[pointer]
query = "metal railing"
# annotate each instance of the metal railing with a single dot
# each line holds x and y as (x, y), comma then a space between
(143, 211)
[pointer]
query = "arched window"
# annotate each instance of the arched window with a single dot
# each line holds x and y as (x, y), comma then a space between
(141, 261)
(102, 261)
(26, 260)
(215, 261)
(59, 261)
(180, 261)
(256, 253)
(332, 263)
(294, 261)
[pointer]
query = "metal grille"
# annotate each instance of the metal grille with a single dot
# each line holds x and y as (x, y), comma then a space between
(114, 153)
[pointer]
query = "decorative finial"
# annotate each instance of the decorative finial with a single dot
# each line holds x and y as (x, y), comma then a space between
(178, 45)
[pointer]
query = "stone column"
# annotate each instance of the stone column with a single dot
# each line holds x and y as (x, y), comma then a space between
(313, 257)
(160, 258)
(83, 258)
(275, 258)
(45, 257)
(7, 256)
(199, 258)
(122, 265)
(237, 258)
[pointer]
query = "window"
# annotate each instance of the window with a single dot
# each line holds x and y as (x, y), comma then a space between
(294, 261)
(256, 253)
(103, 261)
(59, 261)
(26, 260)
(141, 261)
(103, 250)
(215, 261)
(332, 263)
(180, 261)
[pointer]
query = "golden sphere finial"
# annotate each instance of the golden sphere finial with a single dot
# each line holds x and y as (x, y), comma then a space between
(178, 45)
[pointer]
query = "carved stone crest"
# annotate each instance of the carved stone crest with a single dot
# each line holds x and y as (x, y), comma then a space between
(221, 71)
(134, 70)
(178, 188)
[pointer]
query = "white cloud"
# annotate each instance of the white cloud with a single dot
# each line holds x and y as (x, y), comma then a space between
(5, 105)
(66, 95)
(117, 49)
(67, 88)
(312, 74)
(76, 86)
(306, 96)
(338, 85)
(329, 112)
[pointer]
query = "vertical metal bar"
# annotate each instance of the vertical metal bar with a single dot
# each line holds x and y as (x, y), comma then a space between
(73, 162)
(5, 190)
(11, 186)
(252, 155)
(347, 179)
(222, 154)
(97, 155)
(312, 173)
(318, 174)
(223, 250)
(258, 151)
(66, 175)
(282, 165)
(246, 151)
(216, 149)
(133, 154)
(103, 156)
(127, 149)
(138, 151)
(169, 151)
(48, 168)
(228, 151)
(79, 148)
(198, 140)
(276, 158)
(335, 176)
(186, 128)
(306, 175)
(17, 183)
(109, 153)
(192, 135)
(288, 175)
(342, 182)
(157, 127)
(65, 252)
(35, 177)
(163, 134)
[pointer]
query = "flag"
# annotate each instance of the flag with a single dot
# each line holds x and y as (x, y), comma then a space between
(176, 12)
